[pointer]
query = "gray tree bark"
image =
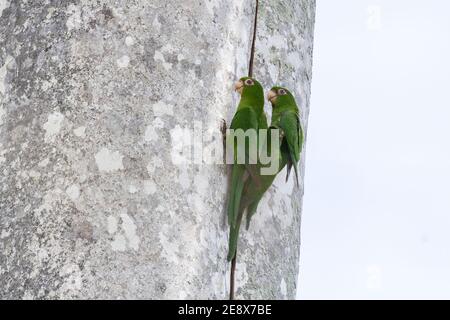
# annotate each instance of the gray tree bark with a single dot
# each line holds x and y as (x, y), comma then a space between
(94, 96)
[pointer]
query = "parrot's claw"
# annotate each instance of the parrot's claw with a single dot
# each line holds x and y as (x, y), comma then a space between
(223, 127)
(223, 130)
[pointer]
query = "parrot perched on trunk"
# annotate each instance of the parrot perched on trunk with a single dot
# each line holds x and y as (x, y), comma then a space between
(249, 115)
(286, 117)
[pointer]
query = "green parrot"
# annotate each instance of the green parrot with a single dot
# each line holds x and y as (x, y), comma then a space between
(286, 118)
(249, 115)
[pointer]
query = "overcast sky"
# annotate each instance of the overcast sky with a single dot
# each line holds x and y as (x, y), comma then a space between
(376, 216)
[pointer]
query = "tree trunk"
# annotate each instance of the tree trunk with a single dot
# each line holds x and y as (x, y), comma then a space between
(96, 98)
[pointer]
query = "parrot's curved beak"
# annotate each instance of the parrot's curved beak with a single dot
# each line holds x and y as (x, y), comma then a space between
(272, 96)
(239, 86)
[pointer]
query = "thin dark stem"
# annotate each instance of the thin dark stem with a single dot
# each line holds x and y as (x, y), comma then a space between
(232, 272)
(252, 52)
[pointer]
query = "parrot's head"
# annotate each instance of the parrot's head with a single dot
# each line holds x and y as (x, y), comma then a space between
(279, 96)
(247, 86)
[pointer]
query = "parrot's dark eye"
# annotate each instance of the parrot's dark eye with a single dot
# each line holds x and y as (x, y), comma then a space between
(281, 92)
(249, 82)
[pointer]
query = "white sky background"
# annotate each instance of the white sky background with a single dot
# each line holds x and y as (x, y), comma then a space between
(376, 216)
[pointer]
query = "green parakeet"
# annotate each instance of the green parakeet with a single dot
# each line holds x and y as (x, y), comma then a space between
(249, 115)
(286, 117)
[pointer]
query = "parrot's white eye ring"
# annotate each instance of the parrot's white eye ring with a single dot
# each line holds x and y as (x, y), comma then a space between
(249, 82)
(282, 92)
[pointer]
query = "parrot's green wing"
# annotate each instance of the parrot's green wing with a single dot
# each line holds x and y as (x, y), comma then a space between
(253, 192)
(291, 129)
(244, 119)
(234, 234)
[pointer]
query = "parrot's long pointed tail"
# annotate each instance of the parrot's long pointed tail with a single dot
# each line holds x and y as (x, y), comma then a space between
(296, 174)
(232, 250)
(234, 235)
(232, 272)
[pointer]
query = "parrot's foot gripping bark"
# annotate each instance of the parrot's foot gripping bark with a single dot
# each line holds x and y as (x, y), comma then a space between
(223, 130)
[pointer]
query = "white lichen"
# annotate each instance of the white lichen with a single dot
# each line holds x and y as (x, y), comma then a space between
(108, 161)
(158, 123)
(5, 234)
(181, 144)
(170, 248)
(132, 189)
(3, 5)
(129, 41)
(2, 114)
(9, 63)
(43, 163)
(150, 134)
(74, 20)
(156, 162)
(125, 238)
(71, 274)
(80, 132)
(183, 178)
(129, 229)
(53, 126)
(119, 243)
(283, 288)
(160, 108)
(160, 57)
(156, 24)
(73, 192)
(34, 174)
(241, 275)
(149, 187)
(111, 224)
(123, 61)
